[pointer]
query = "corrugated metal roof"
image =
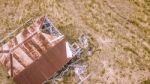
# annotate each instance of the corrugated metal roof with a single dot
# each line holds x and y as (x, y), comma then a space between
(35, 55)
(44, 67)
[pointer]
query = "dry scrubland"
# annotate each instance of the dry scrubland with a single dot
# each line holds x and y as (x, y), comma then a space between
(119, 32)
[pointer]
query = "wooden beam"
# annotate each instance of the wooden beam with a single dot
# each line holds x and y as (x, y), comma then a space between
(4, 51)
(11, 63)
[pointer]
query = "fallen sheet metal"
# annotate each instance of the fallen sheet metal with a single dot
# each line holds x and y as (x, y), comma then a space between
(36, 53)
(83, 40)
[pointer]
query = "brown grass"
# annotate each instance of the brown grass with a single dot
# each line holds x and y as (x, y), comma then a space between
(119, 28)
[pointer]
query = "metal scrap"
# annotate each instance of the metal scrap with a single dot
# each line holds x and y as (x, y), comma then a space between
(49, 28)
(76, 50)
(80, 70)
(83, 40)
(31, 51)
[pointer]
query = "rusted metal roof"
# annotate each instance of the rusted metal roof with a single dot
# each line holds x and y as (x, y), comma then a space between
(34, 55)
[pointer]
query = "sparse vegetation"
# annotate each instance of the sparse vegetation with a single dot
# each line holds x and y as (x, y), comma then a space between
(119, 32)
(146, 82)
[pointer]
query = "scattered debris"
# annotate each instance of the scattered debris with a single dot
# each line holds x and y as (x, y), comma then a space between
(84, 79)
(80, 70)
(83, 40)
(49, 28)
(76, 50)
(30, 53)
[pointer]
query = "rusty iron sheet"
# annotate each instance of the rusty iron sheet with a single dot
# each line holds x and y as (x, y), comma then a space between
(43, 68)
(35, 55)
(20, 57)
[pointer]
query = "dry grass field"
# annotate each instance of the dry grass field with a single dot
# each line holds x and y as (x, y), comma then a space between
(120, 29)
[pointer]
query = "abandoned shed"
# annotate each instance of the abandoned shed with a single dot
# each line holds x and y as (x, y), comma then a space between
(36, 53)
